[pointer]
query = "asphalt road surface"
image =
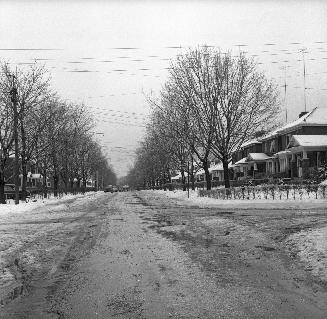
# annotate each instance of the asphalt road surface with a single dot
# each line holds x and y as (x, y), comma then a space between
(141, 255)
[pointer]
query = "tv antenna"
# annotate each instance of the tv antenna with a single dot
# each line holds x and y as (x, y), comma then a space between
(284, 68)
(304, 51)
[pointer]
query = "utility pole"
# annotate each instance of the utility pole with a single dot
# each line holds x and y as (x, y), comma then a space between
(13, 93)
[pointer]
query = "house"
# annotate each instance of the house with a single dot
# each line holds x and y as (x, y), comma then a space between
(293, 150)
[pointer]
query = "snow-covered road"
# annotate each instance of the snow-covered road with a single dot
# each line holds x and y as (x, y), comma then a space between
(160, 255)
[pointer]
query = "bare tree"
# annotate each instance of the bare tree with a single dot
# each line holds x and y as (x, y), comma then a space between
(33, 87)
(6, 130)
(227, 100)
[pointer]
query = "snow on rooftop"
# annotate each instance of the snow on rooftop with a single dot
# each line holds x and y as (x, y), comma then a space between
(317, 116)
(257, 157)
(308, 140)
(217, 167)
(303, 119)
(178, 176)
(242, 161)
(270, 135)
(251, 142)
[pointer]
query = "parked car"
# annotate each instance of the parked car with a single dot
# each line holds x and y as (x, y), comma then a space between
(115, 189)
(10, 192)
(108, 188)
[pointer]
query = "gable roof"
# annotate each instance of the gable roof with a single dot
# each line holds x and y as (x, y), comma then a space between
(251, 142)
(308, 140)
(316, 117)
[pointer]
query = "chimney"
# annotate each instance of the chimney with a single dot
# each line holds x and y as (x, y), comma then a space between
(302, 114)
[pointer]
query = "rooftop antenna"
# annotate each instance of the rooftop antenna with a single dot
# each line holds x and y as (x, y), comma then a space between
(240, 46)
(285, 88)
(303, 51)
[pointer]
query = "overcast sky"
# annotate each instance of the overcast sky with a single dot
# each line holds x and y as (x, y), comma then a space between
(108, 54)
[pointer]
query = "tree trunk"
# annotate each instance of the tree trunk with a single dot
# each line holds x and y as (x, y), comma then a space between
(2, 190)
(226, 173)
(78, 185)
(84, 185)
(65, 180)
(168, 175)
(24, 182)
(192, 176)
(24, 160)
(183, 179)
(72, 190)
(45, 185)
(207, 174)
(55, 185)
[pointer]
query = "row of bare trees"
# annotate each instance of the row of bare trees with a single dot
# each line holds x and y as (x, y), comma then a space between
(54, 135)
(211, 103)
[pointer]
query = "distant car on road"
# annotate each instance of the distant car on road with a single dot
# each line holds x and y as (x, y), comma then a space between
(10, 192)
(114, 188)
(108, 188)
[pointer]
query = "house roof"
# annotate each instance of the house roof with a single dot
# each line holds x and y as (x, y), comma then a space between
(200, 172)
(242, 161)
(270, 135)
(178, 176)
(308, 140)
(251, 142)
(257, 157)
(316, 117)
(217, 167)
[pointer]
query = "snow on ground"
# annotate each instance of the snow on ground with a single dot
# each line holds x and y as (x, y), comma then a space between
(10, 209)
(195, 199)
(310, 245)
(30, 218)
(26, 226)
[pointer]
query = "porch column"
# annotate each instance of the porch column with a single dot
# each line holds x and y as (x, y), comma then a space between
(293, 166)
(305, 165)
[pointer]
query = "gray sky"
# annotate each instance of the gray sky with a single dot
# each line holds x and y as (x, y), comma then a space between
(123, 48)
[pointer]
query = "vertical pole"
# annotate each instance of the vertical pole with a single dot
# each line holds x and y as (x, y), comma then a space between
(285, 87)
(188, 179)
(304, 88)
(13, 93)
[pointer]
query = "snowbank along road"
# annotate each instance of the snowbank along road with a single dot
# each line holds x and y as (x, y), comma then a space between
(145, 255)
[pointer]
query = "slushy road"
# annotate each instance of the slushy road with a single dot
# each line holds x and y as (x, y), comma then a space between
(143, 255)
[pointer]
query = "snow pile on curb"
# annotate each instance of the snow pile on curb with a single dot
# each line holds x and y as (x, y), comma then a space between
(10, 208)
(311, 247)
(195, 199)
